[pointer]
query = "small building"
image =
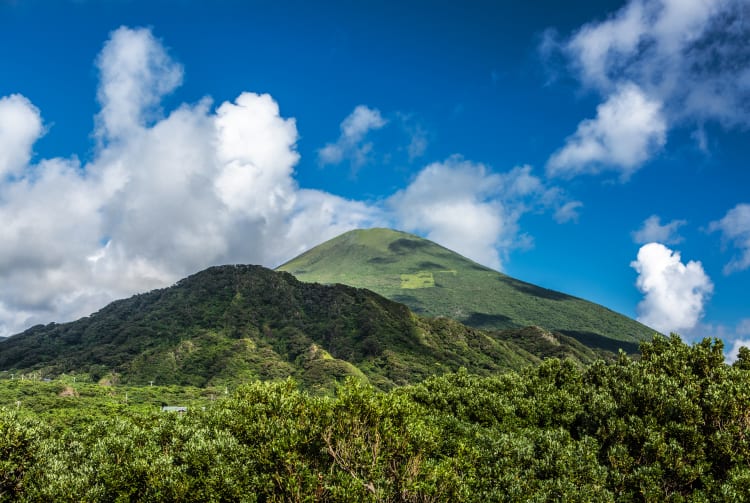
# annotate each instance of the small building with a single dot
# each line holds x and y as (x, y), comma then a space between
(174, 408)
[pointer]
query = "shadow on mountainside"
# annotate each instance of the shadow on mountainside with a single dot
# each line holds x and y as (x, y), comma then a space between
(593, 340)
(488, 321)
(535, 290)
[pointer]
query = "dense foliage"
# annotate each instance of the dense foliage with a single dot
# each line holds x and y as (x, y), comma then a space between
(673, 425)
(435, 281)
(234, 323)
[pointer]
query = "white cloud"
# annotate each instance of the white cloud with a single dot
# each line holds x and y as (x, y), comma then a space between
(418, 143)
(20, 126)
(735, 228)
(687, 53)
(652, 230)
(162, 197)
(467, 208)
(168, 193)
(319, 216)
(675, 294)
(734, 352)
(568, 212)
(594, 47)
(687, 58)
(351, 143)
(135, 73)
(733, 341)
(361, 121)
(628, 129)
(453, 204)
(256, 149)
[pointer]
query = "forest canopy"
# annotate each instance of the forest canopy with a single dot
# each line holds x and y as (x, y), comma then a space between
(672, 425)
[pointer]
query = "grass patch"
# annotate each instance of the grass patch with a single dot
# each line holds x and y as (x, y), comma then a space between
(422, 279)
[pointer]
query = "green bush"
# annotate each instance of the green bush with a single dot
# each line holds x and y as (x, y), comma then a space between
(672, 426)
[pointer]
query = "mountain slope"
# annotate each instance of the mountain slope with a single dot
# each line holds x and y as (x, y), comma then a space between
(435, 281)
(233, 323)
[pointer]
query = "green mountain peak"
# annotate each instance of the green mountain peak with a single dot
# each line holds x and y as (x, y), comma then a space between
(435, 281)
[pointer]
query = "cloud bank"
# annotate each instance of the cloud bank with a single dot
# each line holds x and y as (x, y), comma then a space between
(163, 196)
(169, 192)
(674, 293)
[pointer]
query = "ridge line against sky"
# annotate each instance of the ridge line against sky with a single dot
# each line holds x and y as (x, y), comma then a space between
(545, 142)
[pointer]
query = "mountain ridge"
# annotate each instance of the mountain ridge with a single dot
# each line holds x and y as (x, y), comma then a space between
(241, 322)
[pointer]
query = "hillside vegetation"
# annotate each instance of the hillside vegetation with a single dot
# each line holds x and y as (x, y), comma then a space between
(237, 323)
(673, 426)
(435, 281)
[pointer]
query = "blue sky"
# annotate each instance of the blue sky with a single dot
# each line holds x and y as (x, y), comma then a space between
(598, 148)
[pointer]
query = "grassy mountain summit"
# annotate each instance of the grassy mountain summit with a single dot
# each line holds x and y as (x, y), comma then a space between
(235, 323)
(435, 281)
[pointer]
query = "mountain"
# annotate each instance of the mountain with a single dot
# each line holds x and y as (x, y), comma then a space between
(233, 323)
(435, 281)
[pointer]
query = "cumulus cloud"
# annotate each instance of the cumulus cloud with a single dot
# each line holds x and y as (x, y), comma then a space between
(452, 203)
(628, 129)
(468, 208)
(170, 192)
(163, 196)
(675, 294)
(686, 59)
(735, 228)
(135, 73)
(351, 144)
(653, 231)
(20, 127)
(319, 216)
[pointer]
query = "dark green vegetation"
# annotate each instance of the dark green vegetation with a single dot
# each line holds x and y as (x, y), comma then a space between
(673, 426)
(435, 281)
(238, 323)
(233, 324)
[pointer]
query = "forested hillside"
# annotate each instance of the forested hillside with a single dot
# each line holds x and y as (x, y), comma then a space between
(673, 426)
(232, 324)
